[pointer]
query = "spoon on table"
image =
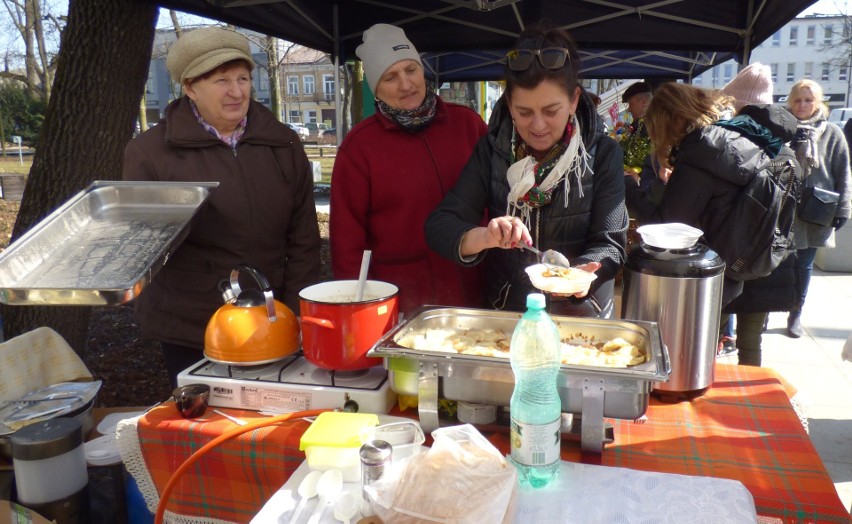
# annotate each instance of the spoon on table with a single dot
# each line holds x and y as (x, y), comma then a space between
(307, 490)
(346, 507)
(328, 488)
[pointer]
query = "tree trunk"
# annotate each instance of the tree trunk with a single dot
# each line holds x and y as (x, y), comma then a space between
(357, 93)
(29, 51)
(272, 70)
(46, 77)
(100, 75)
(143, 113)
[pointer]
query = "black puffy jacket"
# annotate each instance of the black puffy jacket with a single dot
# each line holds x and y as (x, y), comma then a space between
(591, 228)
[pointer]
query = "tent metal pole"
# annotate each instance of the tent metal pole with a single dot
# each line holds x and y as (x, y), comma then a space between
(747, 36)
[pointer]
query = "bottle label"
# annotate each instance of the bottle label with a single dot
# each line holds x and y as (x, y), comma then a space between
(535, 444)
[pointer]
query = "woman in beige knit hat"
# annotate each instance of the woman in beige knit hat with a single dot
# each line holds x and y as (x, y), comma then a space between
(262, 214)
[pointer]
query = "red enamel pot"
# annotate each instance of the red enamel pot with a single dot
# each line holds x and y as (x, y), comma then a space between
(337, 330)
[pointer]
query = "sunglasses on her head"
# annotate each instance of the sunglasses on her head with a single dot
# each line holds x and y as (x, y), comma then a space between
(548, 57)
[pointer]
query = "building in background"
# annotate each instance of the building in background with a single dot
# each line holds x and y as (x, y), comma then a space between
(807, 47)
(307, 86)
(479, 96)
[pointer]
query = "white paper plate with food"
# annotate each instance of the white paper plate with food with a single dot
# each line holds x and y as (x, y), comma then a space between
(560, 280)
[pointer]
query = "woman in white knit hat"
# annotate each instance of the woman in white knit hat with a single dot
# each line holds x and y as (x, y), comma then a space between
(392, 169)
(261, 215)
(824, 155)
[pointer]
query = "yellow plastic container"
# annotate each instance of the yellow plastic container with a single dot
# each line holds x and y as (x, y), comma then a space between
(333, 441)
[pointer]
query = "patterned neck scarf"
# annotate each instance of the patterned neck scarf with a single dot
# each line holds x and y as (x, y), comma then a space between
(412, 120)
(537, 196)
(232, 140)
(531, 182)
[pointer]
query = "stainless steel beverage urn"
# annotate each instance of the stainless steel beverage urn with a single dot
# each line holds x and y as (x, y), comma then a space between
(681, 290)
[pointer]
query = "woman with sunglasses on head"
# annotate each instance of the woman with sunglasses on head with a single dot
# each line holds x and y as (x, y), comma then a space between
(547, 176)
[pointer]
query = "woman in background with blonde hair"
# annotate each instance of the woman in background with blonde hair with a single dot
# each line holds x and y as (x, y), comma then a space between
(822, 151)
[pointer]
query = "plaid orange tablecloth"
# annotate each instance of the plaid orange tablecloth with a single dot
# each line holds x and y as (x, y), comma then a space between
(744, 428)
(230, 483)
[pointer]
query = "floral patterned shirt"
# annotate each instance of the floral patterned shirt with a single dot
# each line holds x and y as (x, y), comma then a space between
(230, 140)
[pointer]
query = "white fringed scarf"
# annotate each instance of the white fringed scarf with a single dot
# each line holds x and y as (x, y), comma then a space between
(521, 176)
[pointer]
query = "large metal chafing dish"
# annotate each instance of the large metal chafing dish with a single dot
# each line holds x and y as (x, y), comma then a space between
(591, 392)
(101, 247)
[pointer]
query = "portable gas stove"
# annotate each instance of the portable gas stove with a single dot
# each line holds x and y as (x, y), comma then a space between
(292, 384)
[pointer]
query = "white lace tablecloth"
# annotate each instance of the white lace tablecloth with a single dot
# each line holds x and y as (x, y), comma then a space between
(587, 494)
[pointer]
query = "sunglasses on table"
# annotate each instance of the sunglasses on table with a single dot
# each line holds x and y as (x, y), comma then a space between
(548, 57)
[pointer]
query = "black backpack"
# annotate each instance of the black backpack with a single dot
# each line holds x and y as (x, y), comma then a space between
(758, 233)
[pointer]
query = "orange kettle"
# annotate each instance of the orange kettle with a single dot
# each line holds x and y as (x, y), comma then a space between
(252, 327)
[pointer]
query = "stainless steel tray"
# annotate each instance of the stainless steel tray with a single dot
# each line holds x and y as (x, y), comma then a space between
(592, 392)
(103, 246)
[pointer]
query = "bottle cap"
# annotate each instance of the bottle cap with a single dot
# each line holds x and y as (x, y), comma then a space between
(536, 301)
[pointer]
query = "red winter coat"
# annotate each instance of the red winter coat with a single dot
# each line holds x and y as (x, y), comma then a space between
(386, 181)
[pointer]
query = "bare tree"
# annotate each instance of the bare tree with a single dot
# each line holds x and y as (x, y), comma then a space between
(838, 52)
(175, 22)
(27, 16)
(357, 100)
(99, 79)
(272, 65)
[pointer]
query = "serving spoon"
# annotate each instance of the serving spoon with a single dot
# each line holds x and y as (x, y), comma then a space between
(551, 256)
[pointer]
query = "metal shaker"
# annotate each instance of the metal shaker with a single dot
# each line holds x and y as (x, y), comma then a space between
(375, 457)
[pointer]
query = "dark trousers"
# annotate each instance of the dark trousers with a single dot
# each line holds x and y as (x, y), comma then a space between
(179, 358)
(804, 268)
(749, 333)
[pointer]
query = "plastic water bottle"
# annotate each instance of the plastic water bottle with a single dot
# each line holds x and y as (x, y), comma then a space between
(535, 409)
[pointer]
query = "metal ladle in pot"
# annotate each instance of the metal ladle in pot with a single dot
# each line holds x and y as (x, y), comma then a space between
(362, 276)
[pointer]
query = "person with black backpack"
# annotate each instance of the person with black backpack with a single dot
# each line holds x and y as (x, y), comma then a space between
(778, 291)
(711, 166)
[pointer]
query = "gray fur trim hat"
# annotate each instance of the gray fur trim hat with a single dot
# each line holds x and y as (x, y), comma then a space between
(384, 45)
(203, 50)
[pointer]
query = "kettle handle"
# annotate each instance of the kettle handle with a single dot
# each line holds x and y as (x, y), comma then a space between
(261, 281)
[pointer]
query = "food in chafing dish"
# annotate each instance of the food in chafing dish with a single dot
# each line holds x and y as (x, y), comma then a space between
(482, 342)
(561, 280)
(616, 353)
